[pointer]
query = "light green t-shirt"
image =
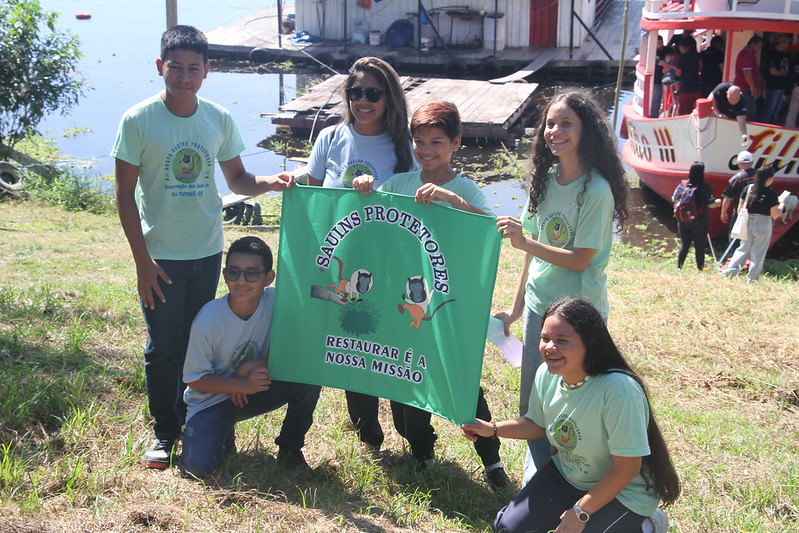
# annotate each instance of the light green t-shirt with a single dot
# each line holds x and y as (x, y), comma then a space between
(567, 219)
(408, 183)
(179, 204)
(606, 416)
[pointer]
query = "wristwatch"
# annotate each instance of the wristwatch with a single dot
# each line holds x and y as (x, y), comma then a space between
(582, 516)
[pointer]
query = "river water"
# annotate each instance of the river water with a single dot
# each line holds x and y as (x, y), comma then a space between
(120, 44)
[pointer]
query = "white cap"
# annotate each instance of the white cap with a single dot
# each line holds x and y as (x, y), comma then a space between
(745, 157)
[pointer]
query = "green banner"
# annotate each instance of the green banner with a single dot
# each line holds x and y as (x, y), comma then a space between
(382, 295)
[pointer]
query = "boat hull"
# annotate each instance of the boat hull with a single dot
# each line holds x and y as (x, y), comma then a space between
(662, 150)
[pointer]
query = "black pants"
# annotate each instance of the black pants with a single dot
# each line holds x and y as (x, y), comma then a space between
(693, 233)
(414, 425)
(538, 506)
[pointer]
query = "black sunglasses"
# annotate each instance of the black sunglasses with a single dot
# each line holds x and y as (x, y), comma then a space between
(373, 94)
(233, 274)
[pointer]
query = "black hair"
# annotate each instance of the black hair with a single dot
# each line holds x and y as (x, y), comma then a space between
(762, 175)
(602, 356)
(395, 118)
(696, 174)
(716, 40)
(688, 42)
(252, 246)
(756, 39)
(184, 37)
(597, 150)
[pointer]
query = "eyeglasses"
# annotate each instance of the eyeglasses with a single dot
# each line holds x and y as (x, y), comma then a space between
(233, 274)
(373, 94)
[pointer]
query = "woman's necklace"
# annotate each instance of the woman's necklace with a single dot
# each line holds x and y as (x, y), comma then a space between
(572, 386)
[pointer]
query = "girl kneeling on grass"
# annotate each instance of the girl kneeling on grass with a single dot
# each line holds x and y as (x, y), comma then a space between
(436, 133)
(612, 467)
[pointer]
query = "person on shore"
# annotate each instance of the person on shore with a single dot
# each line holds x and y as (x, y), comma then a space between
(577, 190)
(688, 74)
(764, 208)
(171, 214)
(727, 101)
(696, 231)
(775, 78)
(373, 139)
(226, 368)
(747, 75)
(436, 134)
(613, 468)
(711, 64)
(732, 192)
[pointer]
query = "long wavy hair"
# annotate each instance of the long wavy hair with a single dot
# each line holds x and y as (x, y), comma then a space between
(597, 150)
(602, 356)
(395, 118)
(762, 175)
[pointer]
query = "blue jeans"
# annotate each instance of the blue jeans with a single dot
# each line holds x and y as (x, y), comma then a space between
(538, 450)
(753, 248)
(657, 98)
(750, 100)
(211, 432)
(193, 285)
(771, 106)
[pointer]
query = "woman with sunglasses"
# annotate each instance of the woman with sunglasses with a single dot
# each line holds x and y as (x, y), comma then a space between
(372, 139)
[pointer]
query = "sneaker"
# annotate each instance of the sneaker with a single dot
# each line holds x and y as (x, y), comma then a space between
(497, 478)
(159, 454)
(657, 523)
(293, 459)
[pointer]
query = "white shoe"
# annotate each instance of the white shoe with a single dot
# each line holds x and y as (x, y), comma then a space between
(657, 523)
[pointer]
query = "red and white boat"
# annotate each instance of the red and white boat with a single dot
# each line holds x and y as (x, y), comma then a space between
(662, 149)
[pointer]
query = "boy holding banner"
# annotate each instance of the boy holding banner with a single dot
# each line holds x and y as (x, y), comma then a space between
(226, 368)
(435, 129)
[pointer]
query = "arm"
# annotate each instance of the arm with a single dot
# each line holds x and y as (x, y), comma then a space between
(430, 192)
(520, 428)
(623, 470)
(126, 176)
(726, 204)
(576, 259)
(750, 81)
(314, 182)
(742, 128)
(776, 211)
(242, 182)
(365, 183)
(257, 380)
(512, 315)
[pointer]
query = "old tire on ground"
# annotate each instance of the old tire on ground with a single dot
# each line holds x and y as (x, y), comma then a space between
(261, 55)
(10, 181)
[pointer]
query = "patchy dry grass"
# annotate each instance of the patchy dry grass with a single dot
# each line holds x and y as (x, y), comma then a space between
(721, 359)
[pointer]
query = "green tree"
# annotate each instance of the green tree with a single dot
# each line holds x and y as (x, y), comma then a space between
(37, 69)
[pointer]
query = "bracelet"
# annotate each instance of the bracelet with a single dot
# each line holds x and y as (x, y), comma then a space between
(495, 428)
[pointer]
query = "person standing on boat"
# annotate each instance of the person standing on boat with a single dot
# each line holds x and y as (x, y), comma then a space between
(712, 61)
(695, 231)
(577, 191)
(688, 74)
(727, 102)
(775, 61)
(793, 105)
(747, 75)
(657, 80)
(763, 209)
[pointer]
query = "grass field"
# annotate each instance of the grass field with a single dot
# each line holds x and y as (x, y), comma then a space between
(721, 359)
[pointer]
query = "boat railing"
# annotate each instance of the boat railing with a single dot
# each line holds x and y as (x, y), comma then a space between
(760, 9)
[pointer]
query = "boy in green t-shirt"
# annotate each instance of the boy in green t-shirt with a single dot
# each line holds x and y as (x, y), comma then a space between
(170, 211)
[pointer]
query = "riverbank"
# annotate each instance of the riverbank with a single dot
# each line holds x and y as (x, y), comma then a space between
(721, 359)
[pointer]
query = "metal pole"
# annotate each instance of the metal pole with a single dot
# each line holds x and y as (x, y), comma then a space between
(571, 31)
(496, 22)
(171, 13)
(620, 72)
(279, 23)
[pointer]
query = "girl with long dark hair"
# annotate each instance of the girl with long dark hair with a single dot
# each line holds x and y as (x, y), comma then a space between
(695, 231)
(613, 468)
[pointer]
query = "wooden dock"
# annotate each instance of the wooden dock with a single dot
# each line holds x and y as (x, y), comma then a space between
(259, 31)
(487, 110)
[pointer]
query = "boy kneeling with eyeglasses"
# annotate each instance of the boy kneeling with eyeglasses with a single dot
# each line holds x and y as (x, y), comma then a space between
(226, 368)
